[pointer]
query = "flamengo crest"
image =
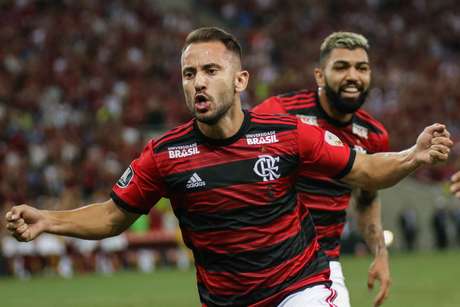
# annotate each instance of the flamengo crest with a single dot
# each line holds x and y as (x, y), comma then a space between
(266, 167)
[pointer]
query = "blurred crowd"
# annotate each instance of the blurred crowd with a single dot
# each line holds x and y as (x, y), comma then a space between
(84, 84)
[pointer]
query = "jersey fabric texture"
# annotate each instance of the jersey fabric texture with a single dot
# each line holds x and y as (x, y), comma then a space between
(327, 199)
(236, 204)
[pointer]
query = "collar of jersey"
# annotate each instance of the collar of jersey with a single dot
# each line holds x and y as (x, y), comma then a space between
(329, 119)
(224, 142)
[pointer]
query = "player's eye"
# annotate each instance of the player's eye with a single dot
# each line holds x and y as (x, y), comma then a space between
(188, 75)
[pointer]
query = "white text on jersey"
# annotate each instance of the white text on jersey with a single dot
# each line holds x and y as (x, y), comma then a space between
(262, 138)
(183, 151)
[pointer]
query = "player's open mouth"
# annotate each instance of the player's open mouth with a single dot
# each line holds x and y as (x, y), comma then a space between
(202, 103)
(350, 91)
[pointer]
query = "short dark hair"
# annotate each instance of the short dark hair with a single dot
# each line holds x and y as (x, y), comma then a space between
(347, 40)
(211, 34)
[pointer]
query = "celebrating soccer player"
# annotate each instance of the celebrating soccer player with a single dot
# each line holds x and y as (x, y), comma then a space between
(232, 187)
(343, 78)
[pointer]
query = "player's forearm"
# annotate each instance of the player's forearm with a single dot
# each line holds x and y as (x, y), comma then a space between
(370, 225)
(382, 170)
(93, 222)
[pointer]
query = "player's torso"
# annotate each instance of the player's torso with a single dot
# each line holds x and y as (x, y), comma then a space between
(236, 204)
(328, 199)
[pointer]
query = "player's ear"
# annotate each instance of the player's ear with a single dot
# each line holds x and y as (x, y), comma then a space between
(241, 80)
(319, 77)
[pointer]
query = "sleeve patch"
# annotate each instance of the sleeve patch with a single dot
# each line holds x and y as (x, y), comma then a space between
(332, 139)
(126, 178)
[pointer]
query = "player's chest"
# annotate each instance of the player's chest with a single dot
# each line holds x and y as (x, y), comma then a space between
(254, 162)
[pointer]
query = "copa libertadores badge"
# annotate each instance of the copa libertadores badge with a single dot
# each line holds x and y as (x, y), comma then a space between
(126, 178)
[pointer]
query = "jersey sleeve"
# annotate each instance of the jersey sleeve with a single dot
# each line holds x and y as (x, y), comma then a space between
(141, 186)
(271, 105)
(385, 142)
(322, 153)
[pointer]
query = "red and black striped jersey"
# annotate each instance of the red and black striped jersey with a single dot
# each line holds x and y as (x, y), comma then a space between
(236, 204)
(327, 199)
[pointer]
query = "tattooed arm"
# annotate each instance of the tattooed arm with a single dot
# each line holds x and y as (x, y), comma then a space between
(370, 225)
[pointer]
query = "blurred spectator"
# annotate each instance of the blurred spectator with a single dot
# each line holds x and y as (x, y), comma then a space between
(455, 215)
(84, 84)
(439, 221)
(409, 228)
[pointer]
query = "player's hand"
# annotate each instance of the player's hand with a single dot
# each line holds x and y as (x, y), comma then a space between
(380, 270)
(433, 145)
(25, 223)
(455, 184)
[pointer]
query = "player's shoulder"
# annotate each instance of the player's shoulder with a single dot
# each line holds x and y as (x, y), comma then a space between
(179, 135)
(363, 118)
(297, 94)
(264, 118)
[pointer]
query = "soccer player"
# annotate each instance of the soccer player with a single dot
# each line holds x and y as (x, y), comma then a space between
(455, 184)
(230, 177)
(343, 78)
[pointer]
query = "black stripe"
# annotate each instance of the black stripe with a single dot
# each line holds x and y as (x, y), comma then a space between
(329, 243)
(359, 121)
(303, 111)
(348, 167)
(322, 187)
(237, 218)
(238, 172)
(122, 204)
(327, 217)
(318, 264)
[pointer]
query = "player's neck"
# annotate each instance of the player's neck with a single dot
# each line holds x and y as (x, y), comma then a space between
(332, 112)
(227, 126)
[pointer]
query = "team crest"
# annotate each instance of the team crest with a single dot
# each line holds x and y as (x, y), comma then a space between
(126, 178)
(267, 168)
(332, 139)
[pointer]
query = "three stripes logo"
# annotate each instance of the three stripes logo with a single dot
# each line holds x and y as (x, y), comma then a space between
(195, 181)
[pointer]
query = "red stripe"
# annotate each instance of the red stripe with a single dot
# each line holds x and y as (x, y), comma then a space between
(302, 102)
(332, 253)
(229, 283)
(239, 196)
(329, 230)
(323, 202)
(331, 297)
(301, 105)
(248, 238)
(175, 133)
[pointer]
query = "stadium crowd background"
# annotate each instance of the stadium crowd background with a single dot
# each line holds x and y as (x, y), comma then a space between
(84, 84)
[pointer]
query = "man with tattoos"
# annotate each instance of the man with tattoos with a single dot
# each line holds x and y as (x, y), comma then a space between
(343, 80)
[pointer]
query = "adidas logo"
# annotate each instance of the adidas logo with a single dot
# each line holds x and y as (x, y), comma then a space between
(195, 181)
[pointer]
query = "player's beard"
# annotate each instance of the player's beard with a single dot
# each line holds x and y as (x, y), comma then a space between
(345, 105)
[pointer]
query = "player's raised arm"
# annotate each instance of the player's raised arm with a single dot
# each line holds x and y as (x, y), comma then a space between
(95, 221)
(455, 184)
(382, 170)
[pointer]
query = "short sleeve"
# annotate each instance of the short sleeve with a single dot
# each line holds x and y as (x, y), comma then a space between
(322, 153)
(270, 105)
(141, 186)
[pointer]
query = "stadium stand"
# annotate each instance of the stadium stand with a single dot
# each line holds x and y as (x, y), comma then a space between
(84, 84)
